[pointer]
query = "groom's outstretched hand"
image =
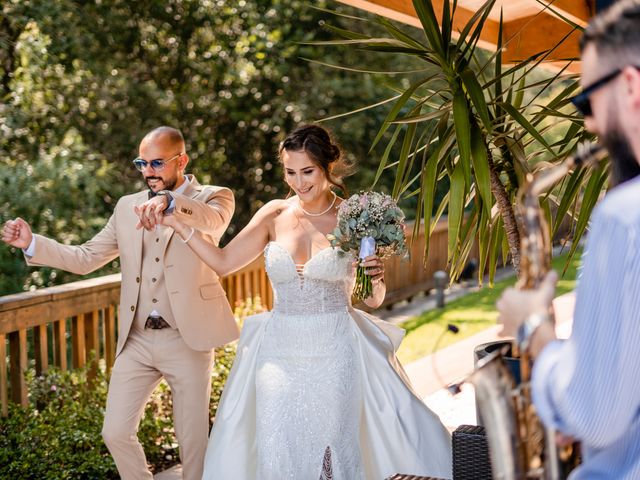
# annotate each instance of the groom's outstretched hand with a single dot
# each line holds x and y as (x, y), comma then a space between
(17, 233)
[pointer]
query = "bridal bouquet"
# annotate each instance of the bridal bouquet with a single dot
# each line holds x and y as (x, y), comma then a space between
(368, 223)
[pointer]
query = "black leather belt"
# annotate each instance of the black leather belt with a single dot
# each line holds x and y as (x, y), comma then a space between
(156, 323)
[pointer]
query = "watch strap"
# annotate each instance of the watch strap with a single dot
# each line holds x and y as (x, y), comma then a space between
(528, 328)
(169, 197)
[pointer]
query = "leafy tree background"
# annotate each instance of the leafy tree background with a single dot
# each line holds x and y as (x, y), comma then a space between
(82, 81)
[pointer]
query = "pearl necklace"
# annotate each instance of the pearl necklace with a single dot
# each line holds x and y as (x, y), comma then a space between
(321, 213)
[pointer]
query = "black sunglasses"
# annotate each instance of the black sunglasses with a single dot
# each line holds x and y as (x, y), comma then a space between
(582, 102)
(157, 165)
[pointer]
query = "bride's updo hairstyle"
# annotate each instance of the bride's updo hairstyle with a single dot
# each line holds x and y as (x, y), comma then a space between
(316, 142)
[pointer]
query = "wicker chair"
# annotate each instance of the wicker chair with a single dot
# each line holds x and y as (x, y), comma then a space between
(402, 476)
(470, 456)
(470, 453)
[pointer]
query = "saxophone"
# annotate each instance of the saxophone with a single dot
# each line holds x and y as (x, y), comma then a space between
(520, 446)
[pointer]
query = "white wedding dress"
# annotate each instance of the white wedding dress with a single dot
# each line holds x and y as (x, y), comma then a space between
(316, 391)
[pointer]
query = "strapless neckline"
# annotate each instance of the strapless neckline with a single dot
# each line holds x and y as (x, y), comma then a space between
(290, 257)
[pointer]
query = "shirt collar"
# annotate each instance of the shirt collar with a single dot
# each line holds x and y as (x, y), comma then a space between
(181, 189)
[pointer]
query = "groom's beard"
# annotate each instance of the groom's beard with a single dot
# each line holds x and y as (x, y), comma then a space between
(624, 165)
(169, 183)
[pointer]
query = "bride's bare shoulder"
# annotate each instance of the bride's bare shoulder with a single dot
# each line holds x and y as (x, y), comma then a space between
(275, 208)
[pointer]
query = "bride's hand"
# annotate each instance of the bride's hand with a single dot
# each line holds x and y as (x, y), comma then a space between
(374, 267)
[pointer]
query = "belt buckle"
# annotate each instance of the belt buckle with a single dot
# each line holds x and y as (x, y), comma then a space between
(155, 323)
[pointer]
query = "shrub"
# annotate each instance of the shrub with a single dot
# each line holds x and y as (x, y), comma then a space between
(58, 435)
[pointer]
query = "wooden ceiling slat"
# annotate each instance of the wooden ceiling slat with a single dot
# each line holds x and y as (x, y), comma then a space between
(528, 36)
(535, 27)
(578, 11)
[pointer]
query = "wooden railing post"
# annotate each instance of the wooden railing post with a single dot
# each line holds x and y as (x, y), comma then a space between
(4, 386)
(60, 344)
(237, 290)
(18, 366)
(92, 340)
(78, 350)
(41, 348)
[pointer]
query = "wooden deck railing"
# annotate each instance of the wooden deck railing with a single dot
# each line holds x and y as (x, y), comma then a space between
(66, 324)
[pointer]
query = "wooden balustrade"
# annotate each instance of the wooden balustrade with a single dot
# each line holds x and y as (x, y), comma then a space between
(405, 277)
(48, 324)
(66, 325)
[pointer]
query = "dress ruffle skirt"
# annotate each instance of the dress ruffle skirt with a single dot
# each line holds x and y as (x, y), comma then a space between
(397, 432)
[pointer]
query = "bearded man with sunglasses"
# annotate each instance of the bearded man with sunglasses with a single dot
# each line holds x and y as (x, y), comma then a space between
(588, 387)
(173, 310)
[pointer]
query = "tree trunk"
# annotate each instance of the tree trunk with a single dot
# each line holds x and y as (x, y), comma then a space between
(507, 213)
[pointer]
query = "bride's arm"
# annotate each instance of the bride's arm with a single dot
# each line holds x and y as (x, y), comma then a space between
(240, 251)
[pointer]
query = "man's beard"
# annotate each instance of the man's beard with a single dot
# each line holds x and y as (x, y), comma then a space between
(169, 183)
(624, 165)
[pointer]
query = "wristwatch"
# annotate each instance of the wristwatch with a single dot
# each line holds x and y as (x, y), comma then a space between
(167, 194)
(528, 328)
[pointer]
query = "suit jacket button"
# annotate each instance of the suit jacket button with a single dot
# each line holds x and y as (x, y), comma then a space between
(157, 259)
(137, 279)
(154, 300)
(132, 308)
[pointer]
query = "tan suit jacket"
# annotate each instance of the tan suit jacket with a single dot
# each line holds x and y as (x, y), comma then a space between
(198, 301)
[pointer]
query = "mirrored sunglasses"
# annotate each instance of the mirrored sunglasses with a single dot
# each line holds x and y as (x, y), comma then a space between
(157, 164)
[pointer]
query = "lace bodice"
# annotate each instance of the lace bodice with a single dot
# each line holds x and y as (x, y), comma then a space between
(323, 286)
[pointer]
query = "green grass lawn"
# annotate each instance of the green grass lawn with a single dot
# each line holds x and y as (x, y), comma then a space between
(471, 313)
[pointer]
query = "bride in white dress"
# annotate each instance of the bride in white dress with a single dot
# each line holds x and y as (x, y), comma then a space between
(316, 391)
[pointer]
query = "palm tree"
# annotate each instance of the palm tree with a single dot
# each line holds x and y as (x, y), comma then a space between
(484, 127)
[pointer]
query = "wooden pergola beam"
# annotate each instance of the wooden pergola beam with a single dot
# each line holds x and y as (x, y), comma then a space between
(403, 11)
(529, 26)
(528, 36)
(578, 11)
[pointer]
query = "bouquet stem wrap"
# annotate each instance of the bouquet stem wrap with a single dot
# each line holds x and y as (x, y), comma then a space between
(364, 288)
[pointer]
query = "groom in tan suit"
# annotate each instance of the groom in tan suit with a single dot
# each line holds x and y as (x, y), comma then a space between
(173, 310)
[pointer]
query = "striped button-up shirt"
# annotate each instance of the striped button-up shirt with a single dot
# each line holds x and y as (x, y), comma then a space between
(589, 385)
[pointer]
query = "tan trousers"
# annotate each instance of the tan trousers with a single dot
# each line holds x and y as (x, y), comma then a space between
(148, 356)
